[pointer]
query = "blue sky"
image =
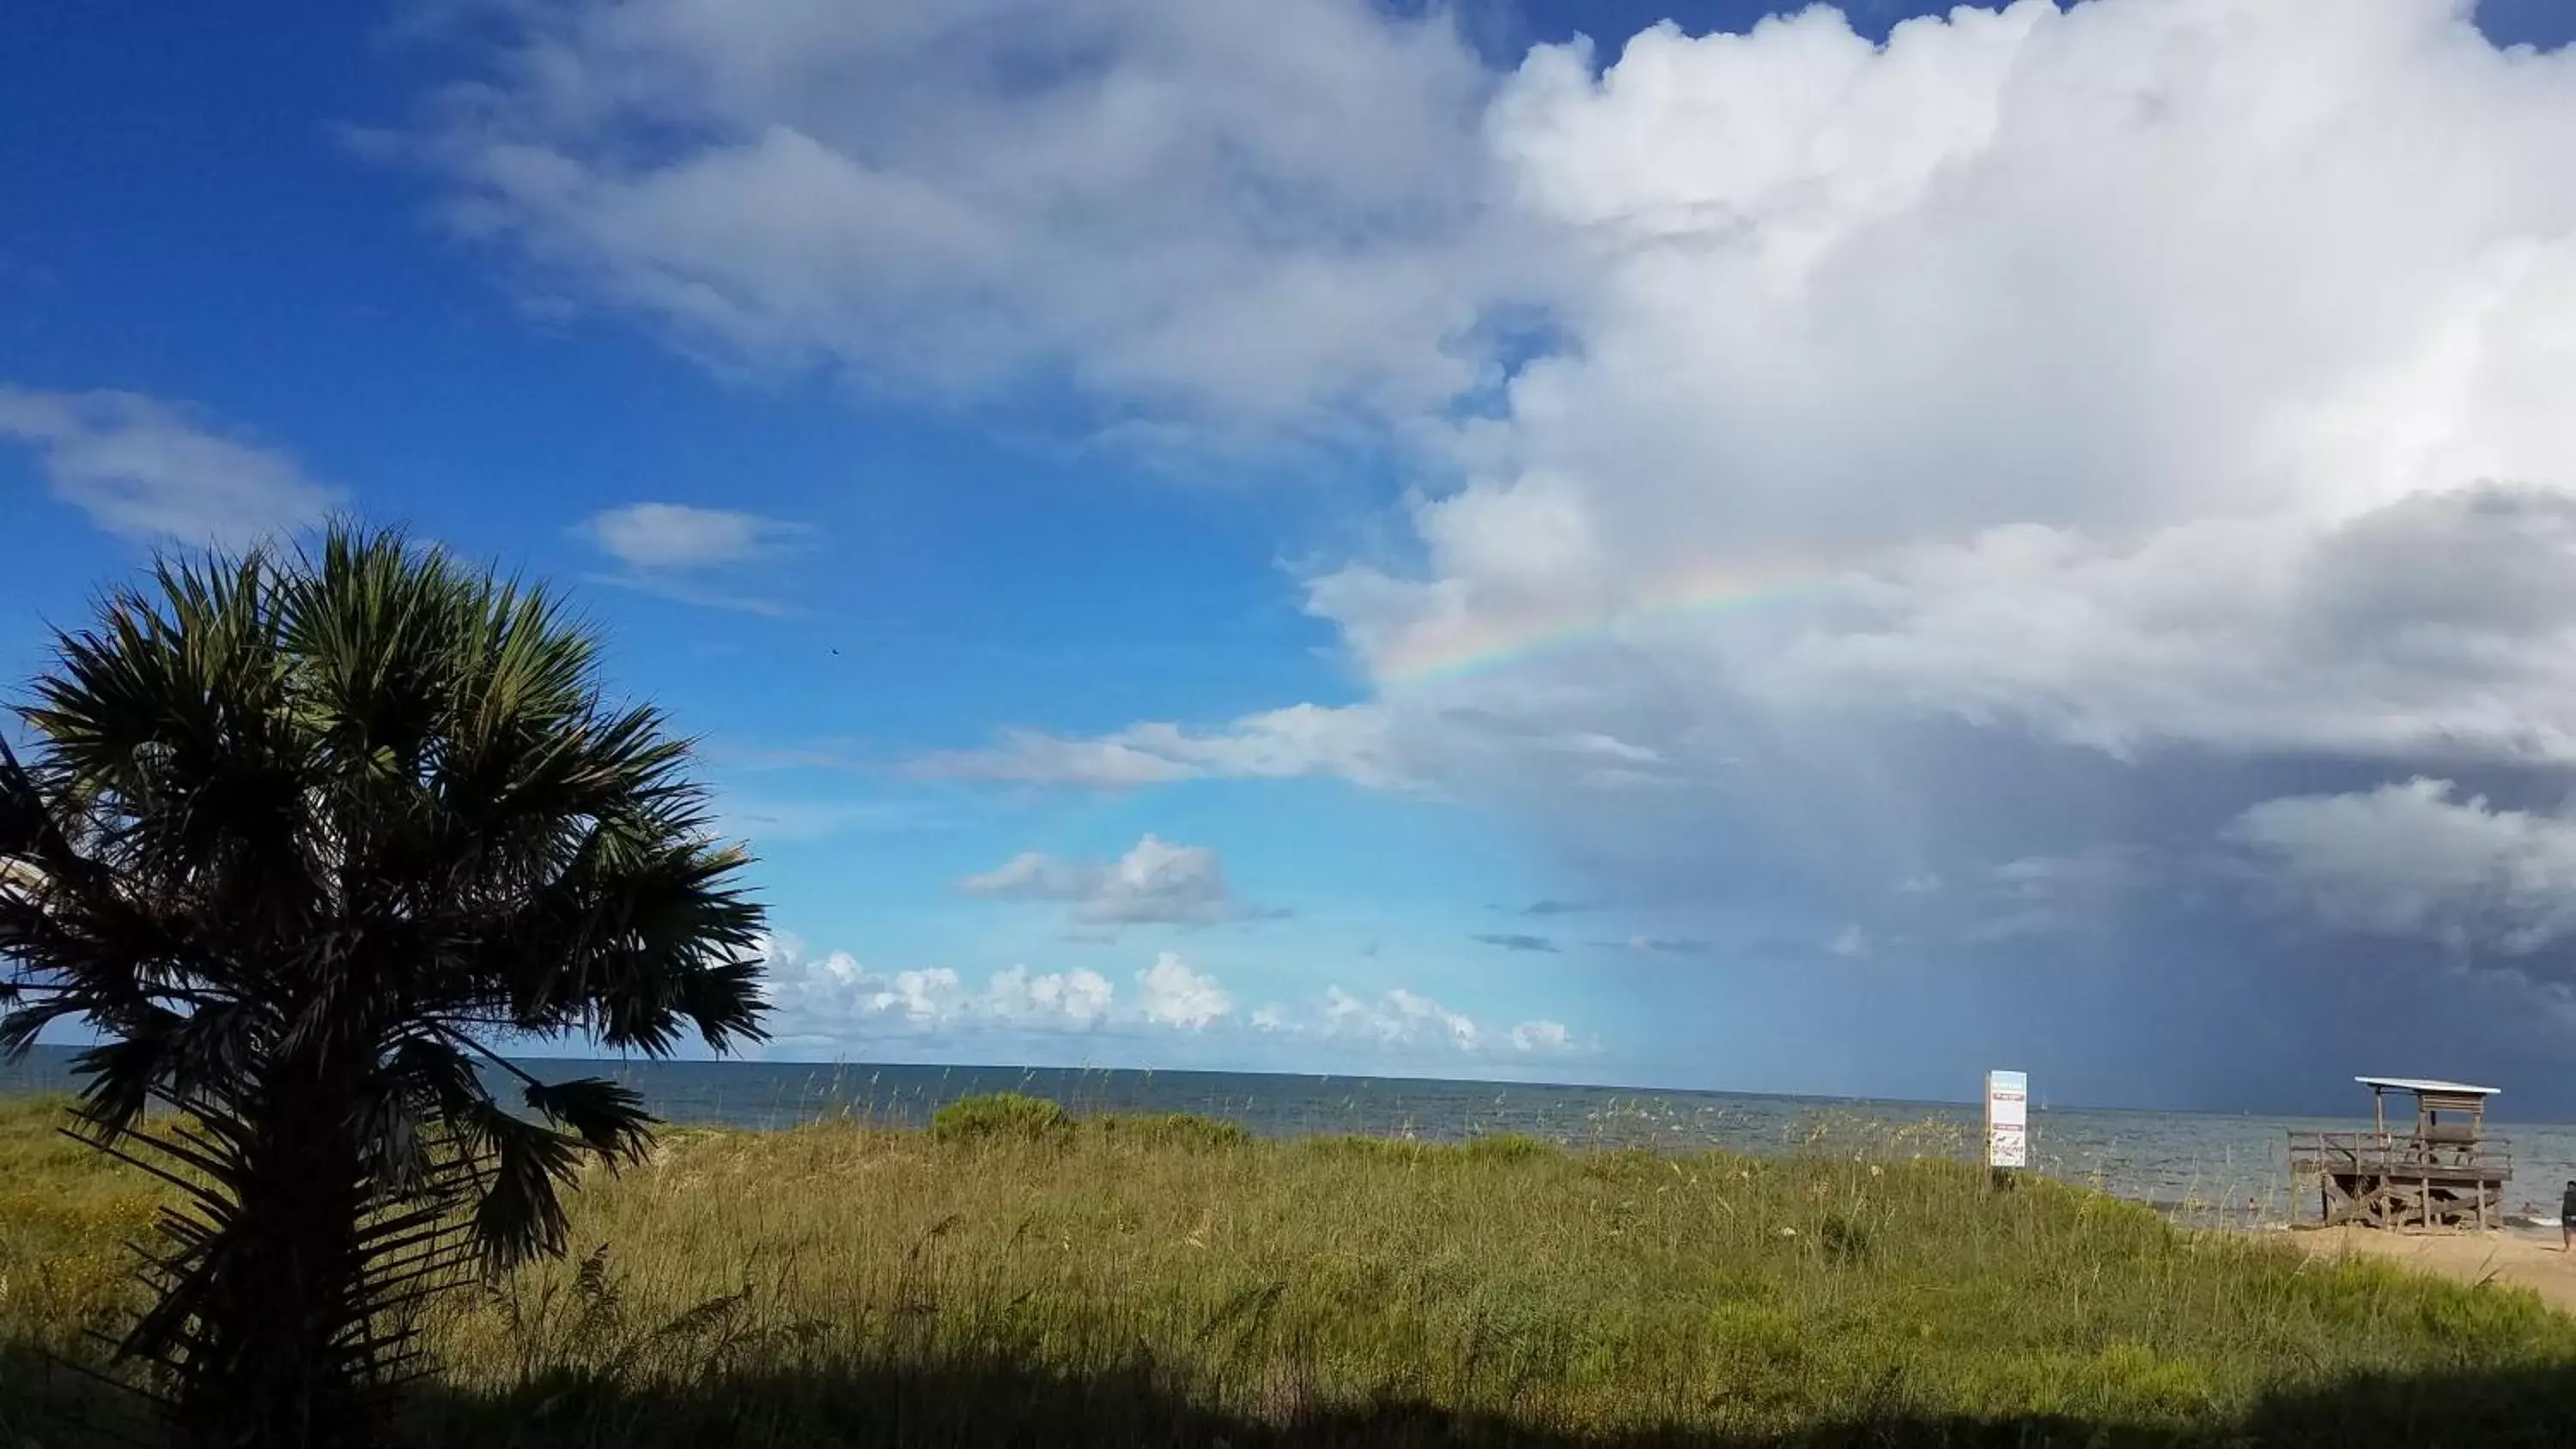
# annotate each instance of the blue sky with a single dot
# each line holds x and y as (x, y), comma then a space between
(1824, 557)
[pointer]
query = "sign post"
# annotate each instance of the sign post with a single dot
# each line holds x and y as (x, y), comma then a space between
(2007, 1122)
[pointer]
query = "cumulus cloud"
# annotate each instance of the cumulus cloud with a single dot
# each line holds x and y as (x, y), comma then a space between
(831, 1000)
(151, 470)
(1155, 882)
(2145, 379)
(832, 997)
(2223, 397)
(1541, 1038)
(1402, 1018)
(1177, 996)
(2026, 369)
(2436, 625)
(2034, 348)
(1399, 1017)
(1076, 998)
(1904, 451)
(2418, 861)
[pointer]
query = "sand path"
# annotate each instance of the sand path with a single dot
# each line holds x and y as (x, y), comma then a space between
(2520, 1256)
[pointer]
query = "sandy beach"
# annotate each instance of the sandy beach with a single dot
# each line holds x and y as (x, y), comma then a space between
(2524, 1257)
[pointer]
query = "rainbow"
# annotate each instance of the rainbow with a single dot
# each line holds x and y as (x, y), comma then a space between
(1478, 647)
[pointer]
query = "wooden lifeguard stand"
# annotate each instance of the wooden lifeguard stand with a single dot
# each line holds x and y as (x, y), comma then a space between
(2444, 1175)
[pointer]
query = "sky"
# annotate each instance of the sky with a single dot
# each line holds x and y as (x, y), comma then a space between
(1628, 543)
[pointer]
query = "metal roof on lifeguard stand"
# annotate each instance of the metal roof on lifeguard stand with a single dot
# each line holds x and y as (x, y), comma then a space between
(2431, 1099)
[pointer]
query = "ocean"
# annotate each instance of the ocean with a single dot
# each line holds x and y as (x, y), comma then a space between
(2204, 1167)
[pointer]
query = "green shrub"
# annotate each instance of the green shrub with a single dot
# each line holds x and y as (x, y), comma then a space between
(993, 1116)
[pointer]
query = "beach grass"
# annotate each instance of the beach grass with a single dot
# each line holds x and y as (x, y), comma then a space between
(1020, 1275)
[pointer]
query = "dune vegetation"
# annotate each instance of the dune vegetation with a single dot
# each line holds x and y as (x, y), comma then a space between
(1017, 1274)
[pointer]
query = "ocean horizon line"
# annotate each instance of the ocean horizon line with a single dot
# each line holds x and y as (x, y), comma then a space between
(2041, 1103)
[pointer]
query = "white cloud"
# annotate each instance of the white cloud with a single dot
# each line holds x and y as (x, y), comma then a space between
(2436, 625)
(1158, 881)
(1851, 943)
(2415, 861)
(1025, 755)
(1155, 882)
(2093, 373)
(832, 997)
(1542, 1038)
(1457, 1027)
(951, 196)
(1398, 746)
(1077, 998)
(676, 538)
(1033, 875)
(1177, 996)
(691, 555)
(146, 469)
(1302, 740)
(1402, 1018)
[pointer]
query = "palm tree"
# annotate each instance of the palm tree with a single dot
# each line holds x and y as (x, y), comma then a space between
(308, 841)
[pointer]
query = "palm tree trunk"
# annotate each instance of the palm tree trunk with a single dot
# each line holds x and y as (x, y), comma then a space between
(270, 1357)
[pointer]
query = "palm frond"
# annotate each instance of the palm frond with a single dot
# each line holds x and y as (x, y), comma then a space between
(610, 1117)
(519, 1214)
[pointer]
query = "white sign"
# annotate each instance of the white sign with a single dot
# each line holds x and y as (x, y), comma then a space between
(2007, 1119)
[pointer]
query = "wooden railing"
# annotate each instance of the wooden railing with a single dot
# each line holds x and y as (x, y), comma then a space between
(2399, 1154)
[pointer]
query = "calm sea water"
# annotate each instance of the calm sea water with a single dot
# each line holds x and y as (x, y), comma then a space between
(2200, 1165)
